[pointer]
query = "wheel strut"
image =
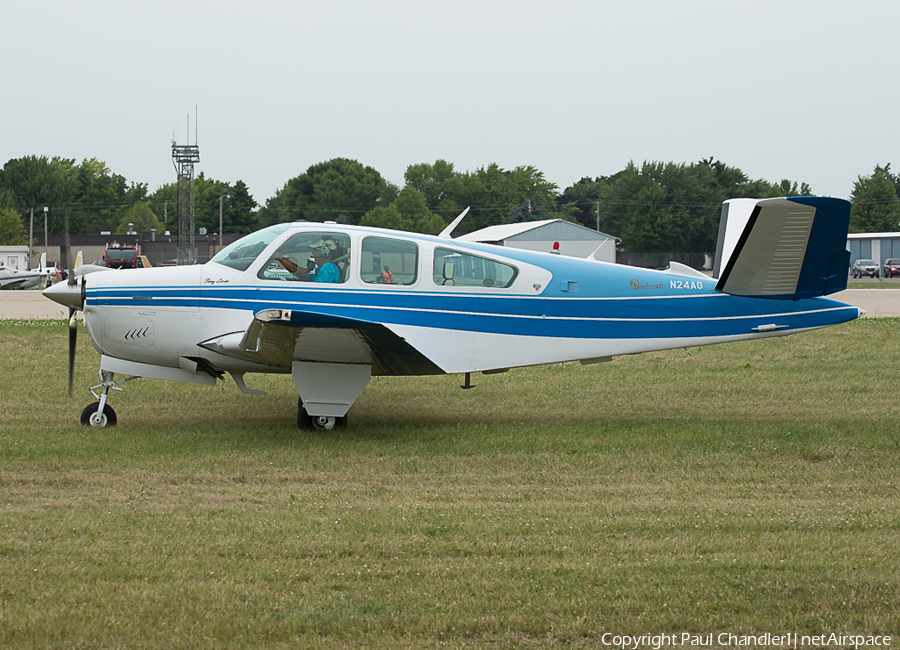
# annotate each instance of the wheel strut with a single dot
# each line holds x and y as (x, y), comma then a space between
(101, 414)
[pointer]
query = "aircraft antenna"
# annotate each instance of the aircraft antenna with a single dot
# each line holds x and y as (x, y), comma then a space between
(184, 157)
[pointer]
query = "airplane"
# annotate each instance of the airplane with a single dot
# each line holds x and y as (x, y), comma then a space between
(15, 279)
(446, 306)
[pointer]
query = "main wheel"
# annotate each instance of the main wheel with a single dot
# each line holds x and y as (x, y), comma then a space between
(91, 416)
(323, 422)
(305, 421)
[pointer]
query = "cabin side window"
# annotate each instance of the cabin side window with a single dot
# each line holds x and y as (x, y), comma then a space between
(461, 269)
(315, 256)
(384, 260)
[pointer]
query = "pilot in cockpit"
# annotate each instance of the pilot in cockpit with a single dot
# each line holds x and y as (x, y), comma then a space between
(324, 252)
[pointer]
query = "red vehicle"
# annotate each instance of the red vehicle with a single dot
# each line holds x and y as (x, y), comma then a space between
(121, 256)
(891, 267)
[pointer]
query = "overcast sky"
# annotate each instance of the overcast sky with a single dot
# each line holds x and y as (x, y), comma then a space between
(803, 90)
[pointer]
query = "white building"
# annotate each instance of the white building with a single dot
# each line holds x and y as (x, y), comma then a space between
(14, 257)
(574, 239)
(878, 246)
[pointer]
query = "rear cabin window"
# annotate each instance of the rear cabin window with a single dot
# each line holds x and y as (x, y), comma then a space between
(461, 269)
(384, 260)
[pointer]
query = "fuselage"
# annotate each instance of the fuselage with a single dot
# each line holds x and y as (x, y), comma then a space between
(14, 279)
(465, 306)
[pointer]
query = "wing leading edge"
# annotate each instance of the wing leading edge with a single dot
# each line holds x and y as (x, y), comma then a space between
(789, 249)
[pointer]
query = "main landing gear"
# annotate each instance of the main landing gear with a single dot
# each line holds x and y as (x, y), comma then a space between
(100, 414)
(306, 421)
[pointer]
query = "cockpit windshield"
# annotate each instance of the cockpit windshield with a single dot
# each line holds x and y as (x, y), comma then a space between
(241, 254)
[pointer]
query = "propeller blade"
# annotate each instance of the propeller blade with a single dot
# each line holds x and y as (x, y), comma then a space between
(73, 323)
(71, 270)
(73, 339)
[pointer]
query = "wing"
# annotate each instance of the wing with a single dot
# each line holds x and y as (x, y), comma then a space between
(12, 283)
(278, 337)
(790, 249)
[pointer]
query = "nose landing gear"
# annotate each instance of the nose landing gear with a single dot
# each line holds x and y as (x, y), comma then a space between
(100, 414)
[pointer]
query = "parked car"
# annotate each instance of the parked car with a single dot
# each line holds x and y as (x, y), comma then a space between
(865, 267)
(891, 267)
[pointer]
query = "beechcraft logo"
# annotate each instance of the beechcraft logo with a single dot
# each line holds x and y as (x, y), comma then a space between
(635, 284)
(536, 287)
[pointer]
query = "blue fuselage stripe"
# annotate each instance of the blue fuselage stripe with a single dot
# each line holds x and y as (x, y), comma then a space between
(706, 314)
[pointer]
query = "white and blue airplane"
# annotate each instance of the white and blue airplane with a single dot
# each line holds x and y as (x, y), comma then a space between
(16, 279)
(332, 305)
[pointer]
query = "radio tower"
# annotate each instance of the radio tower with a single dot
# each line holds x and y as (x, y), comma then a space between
(184, 157)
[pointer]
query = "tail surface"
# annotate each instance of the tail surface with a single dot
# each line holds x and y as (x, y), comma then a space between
(787, 248)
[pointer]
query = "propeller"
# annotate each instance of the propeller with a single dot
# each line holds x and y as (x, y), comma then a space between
(71, 294)
(73, 339)
(73, 323)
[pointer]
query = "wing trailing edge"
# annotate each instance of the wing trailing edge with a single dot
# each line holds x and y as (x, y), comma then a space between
(785, 249)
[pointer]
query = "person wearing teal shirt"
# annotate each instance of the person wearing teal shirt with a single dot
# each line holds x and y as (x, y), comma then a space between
(323, 251)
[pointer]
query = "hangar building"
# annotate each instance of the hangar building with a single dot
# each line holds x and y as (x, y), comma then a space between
(878, 246)
(574, 239)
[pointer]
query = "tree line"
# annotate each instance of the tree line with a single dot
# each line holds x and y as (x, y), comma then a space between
(654, 207)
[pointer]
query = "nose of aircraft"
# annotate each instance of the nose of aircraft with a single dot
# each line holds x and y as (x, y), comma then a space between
(68, 295)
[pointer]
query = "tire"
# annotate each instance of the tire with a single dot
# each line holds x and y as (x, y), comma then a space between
(106, 419)
(305, 422)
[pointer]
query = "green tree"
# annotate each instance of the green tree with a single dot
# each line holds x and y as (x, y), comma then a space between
(164, 203)
(37, 182)
(494, 195)
(340, 190)
(407, 212)
(12, 229)
(411, 205)
(875, 206)
(894, 178)
(238, 206)
(666, 207)
(581, 201)
(8, 199)
(142, 219)
(241, 213)
(101, 198)
(528, 211)
(87, 197)
(386, 217)
(206, 202)
(441, 186)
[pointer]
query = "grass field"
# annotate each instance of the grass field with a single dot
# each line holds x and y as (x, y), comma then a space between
(744, 488)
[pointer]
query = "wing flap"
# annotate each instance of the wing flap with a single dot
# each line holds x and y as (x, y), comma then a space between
(280, 337)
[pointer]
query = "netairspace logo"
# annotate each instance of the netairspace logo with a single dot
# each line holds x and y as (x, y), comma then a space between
(726, 639)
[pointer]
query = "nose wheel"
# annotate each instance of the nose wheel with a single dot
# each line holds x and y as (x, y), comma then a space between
(94, 416)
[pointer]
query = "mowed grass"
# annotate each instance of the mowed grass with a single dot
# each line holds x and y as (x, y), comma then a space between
(741, 488)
